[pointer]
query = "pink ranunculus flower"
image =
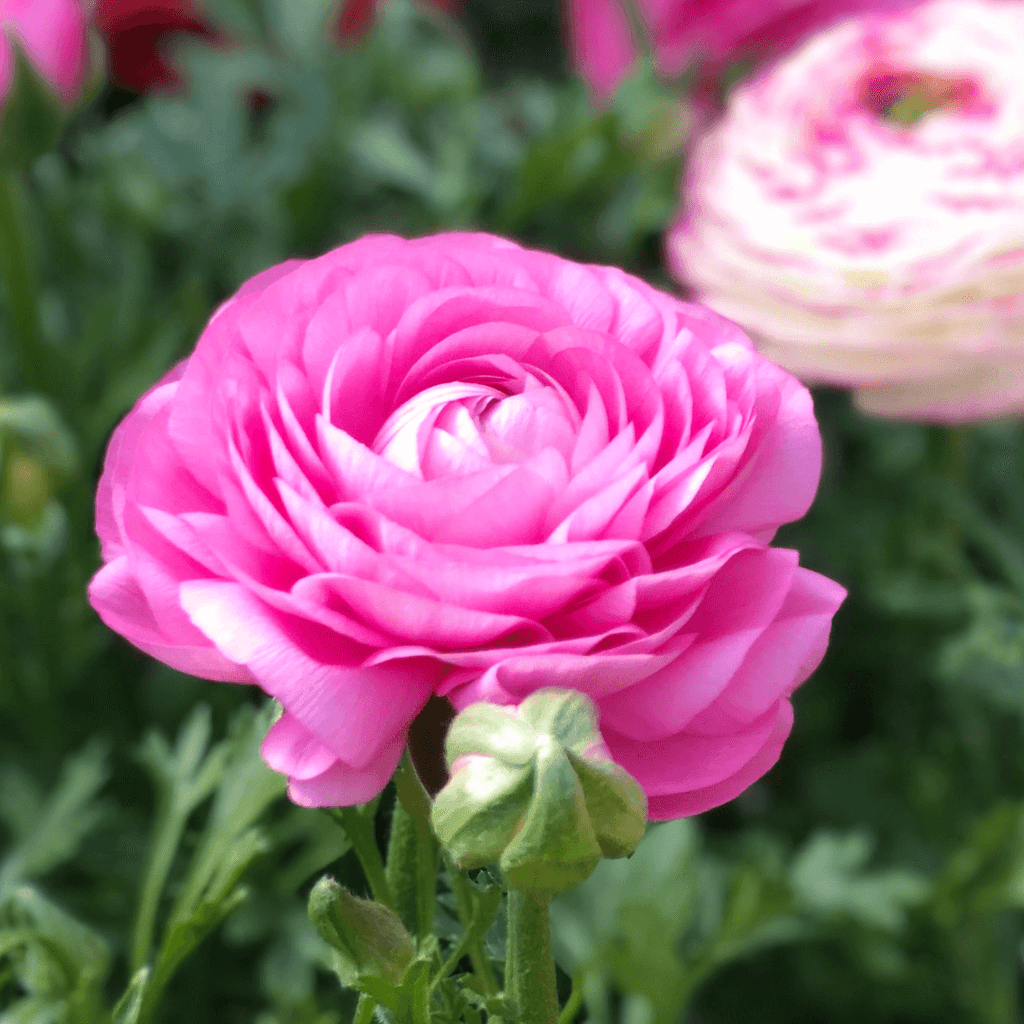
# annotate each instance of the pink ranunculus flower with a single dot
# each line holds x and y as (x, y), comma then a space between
(681, 32)
(455, 466)
(861, 243)
(52, 35)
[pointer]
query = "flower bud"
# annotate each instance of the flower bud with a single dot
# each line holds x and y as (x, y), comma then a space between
(25, 490)
(534, 790)
(37, 451)
(367, 938)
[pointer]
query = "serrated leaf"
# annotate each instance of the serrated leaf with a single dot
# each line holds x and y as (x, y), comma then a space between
(830, 877)
(52, 833)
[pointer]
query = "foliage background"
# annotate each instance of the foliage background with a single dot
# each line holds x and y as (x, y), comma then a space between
(876, 874)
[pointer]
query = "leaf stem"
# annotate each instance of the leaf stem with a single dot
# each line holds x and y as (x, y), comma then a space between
(638, 27)
(170, 824)
(20, 288)
(572, 1007)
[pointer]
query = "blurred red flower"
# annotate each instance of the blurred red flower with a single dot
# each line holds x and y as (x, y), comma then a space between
(135, 31)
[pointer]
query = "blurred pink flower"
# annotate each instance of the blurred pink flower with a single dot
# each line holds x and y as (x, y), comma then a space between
(860, 210)
(52, 36)
(714, 32)
(455, 466)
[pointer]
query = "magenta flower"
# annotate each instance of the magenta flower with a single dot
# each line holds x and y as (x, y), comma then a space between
(52, 35)
(860, 210)
(455, 466)
(713, 32)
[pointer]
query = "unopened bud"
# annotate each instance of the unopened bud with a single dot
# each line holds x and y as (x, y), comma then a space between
(368, 939)
(534, 790)
(25, 490)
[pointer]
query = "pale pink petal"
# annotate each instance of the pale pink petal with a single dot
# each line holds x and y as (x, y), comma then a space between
(120, 603)
(290, 748)
(354, 711)
(689, 761)
(686, 804)
(344, 786)
(740, 604)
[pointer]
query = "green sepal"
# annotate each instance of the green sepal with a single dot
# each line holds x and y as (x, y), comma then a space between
(616, 804)
(555, 849)
(489, 729)
(478, 813)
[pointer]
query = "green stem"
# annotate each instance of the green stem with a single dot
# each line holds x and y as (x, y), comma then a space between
(401, 869)
(572, 1007)
(452, 962)
(529, 962)
(477, 958)
(170, 825)
(412, 871)
(638, 27)
(20, 289)
(359, 829)
(412, 852)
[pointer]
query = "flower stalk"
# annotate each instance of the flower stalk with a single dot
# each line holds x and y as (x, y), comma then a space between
(529, 963)
(359, 829)
(19, 286)
(638, 28)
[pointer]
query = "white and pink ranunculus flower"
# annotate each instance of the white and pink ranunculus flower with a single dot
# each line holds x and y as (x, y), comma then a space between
(455, 466)
(860, 211)
(714, 33)
(52, 36)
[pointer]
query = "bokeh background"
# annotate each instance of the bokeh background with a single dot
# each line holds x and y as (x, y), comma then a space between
(877, 873)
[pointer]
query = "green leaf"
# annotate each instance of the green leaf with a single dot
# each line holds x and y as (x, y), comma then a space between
(50, 831)
(829, 878)
(247, 787)
(54, 956)
(129, 1006)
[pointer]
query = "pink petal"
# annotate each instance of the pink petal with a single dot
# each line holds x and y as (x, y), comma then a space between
(785, 445)
(53, 35)
(354, 711)
(290, 748)
(682, 805)
(740, 604)
(344, 786)
(688, 762)
(781, 658)
(120, 603)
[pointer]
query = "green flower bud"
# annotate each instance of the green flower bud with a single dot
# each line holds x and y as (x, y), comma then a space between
(534, 790)
(37, 452)
(25, 490)
(368, 939)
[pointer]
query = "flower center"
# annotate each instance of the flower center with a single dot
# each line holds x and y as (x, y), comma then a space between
(905, 97)
(457, 428)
